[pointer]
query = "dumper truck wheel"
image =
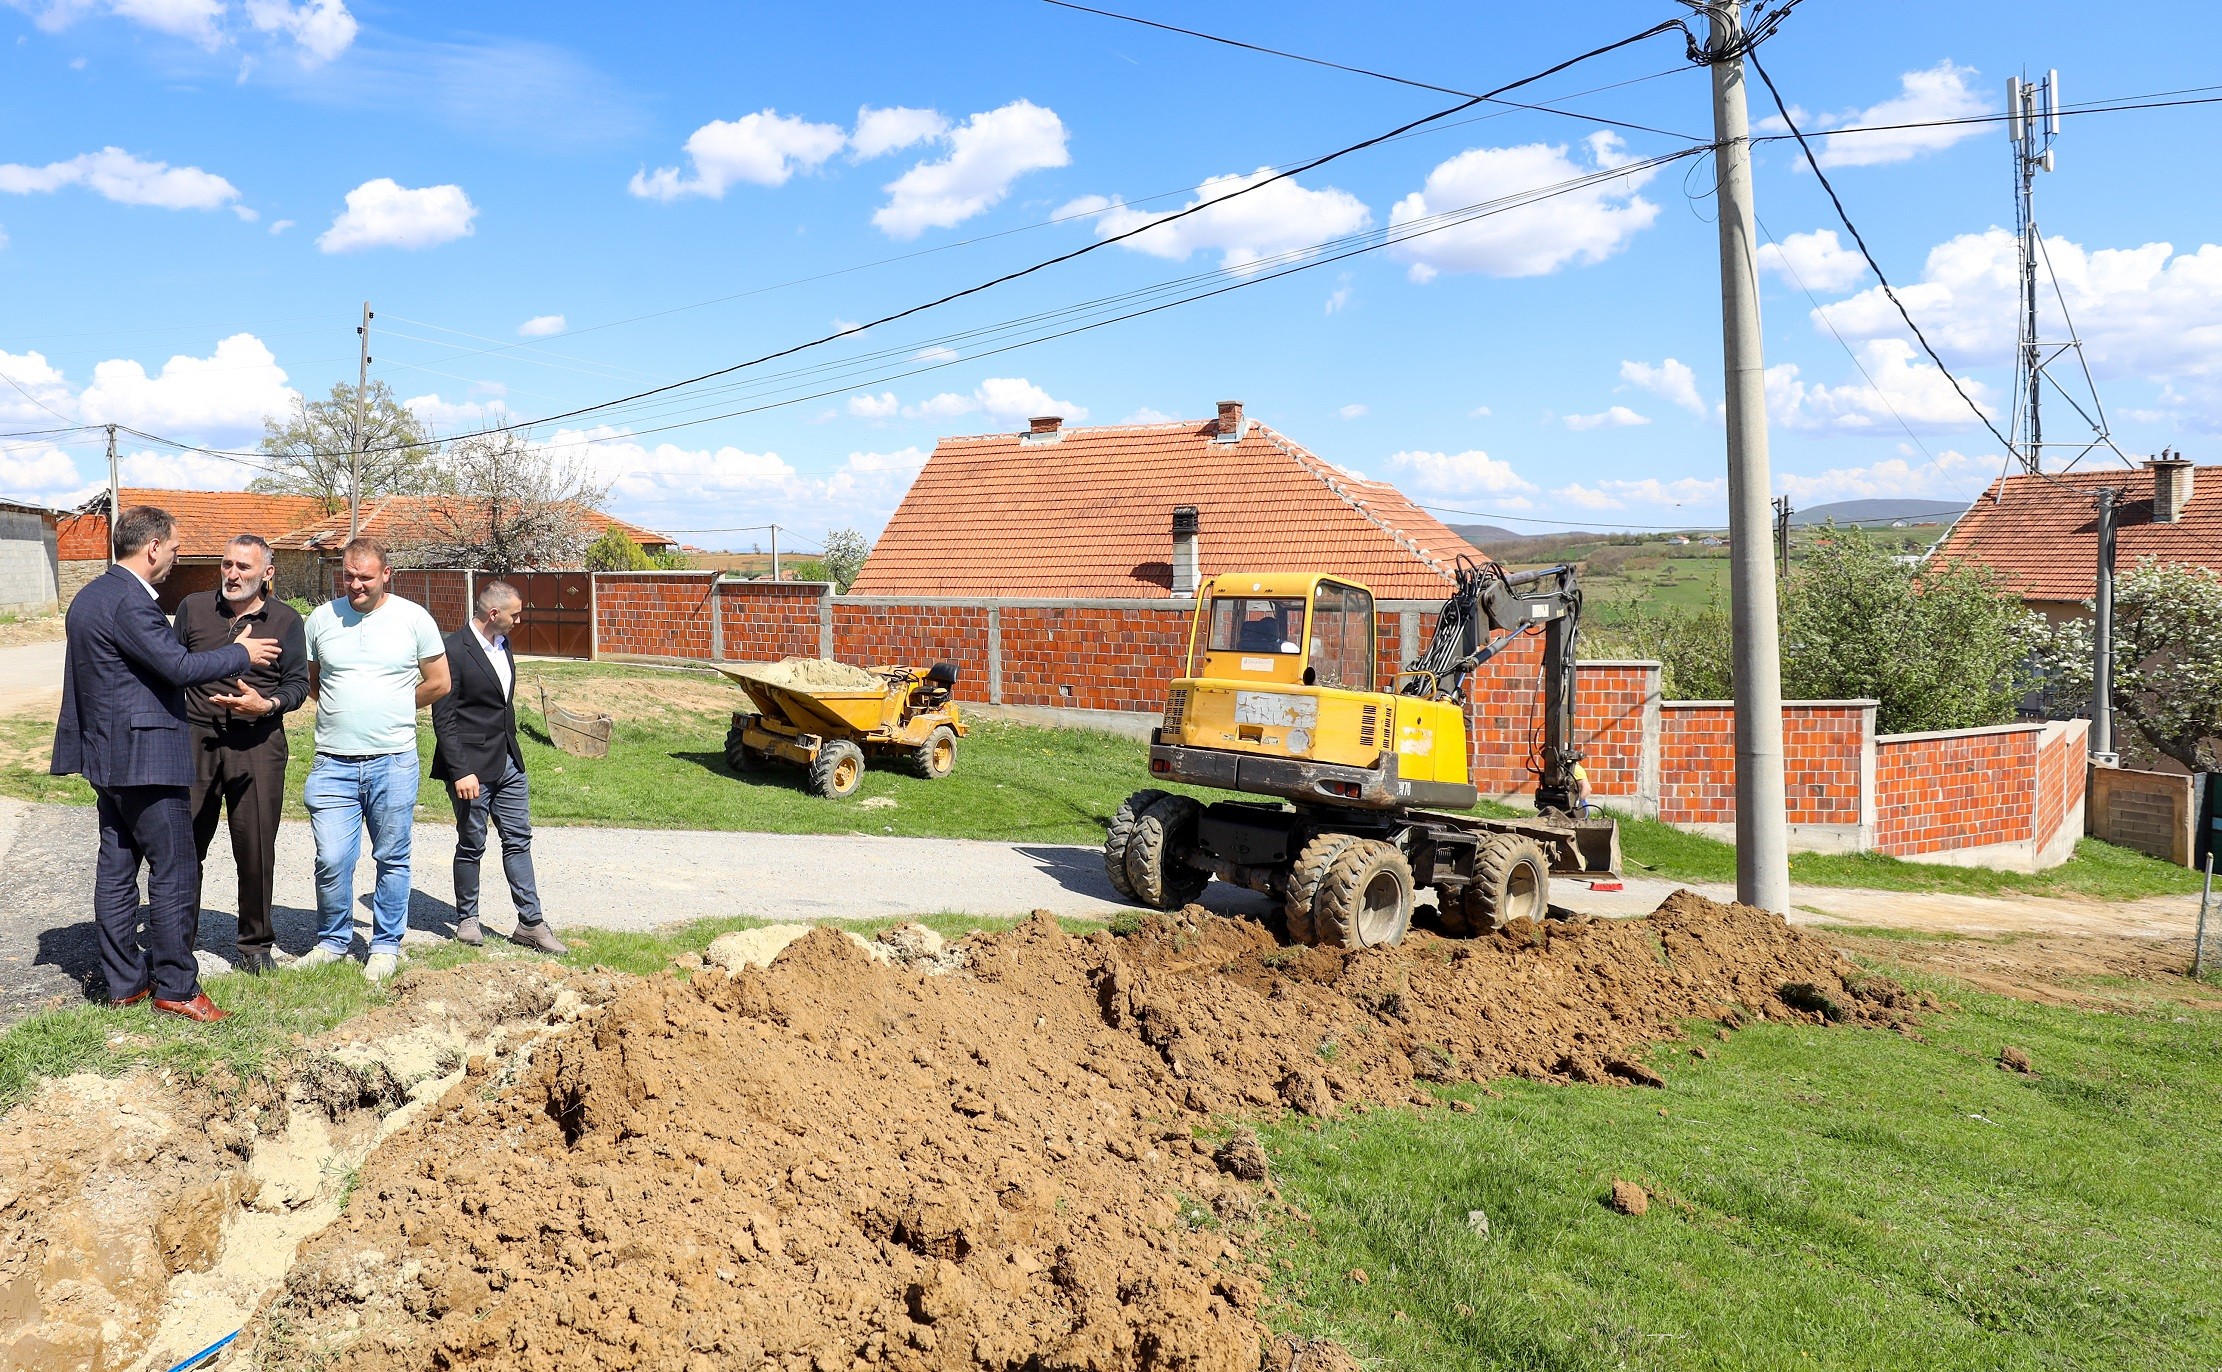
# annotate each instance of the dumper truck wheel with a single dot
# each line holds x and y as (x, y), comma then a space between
(1120, 834)
(937, 756)
(837, 770)
(1156, 856)
(1366, 900)
(1512, 880)
(737, 755)
(1312, 865)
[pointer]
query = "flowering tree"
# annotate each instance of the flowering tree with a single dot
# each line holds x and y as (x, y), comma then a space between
(2167, 661)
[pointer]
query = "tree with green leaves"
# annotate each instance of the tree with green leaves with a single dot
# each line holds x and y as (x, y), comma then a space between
(309, 452)
(613, 552)
(2167, 663)
(844, 556)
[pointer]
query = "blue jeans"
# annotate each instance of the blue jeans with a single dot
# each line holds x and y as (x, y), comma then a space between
(344, 796)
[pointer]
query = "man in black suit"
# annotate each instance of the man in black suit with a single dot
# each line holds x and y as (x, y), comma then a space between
(122, 728)
(239, 743)
(475, 752)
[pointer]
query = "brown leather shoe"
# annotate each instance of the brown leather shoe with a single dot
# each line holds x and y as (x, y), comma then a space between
(133, 999)
(200, 1009)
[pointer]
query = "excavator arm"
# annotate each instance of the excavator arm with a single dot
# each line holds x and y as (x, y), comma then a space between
(1480, 619)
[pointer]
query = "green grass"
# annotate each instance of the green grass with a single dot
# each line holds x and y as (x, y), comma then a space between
(1823, 1198)
(269, 1014)
(2099, 870)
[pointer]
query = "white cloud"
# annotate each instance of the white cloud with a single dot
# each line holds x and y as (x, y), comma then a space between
(1146, 415)
(196, 21)
(1281, 217)
(49, 392)
(227, 394)
(2146, 311)
(934, 354)
(1351, 412)
(1935, 93)
(1586, 225)
(1951, 474)
(181, 472)
(121, 177)
(841, 325)
(1467, 474)
(1670, 380)
(281, 226)
(986, 154)
(1479, 412)
(542, 326)
(675, 488)
(881, 406)
(765, 149)
(39, 475)
(1619, 495)
(1339, 299)
(1816, 261)
(1617, 417)
(448, 416)
(322, 29)
(1897, 381)
(882, 131)
(1007, 399)
(385, 214)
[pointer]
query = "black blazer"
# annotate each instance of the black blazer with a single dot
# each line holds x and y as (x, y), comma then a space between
(124, 676)
(476, 721)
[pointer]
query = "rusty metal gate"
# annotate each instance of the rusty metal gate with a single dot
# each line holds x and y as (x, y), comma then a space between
(559, 613)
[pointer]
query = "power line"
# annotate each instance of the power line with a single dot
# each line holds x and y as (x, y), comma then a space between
(1872, 264)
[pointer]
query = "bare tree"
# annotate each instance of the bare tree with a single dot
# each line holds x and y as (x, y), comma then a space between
(501, 505)
(309, 452)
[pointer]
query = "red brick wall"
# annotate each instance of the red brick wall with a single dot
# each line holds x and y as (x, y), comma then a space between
(916, 636)
(766, 621)
(1966, 791)
(446, 594)
(1697, 763)
(1092, 657)
(2063, 771)
(653, 614)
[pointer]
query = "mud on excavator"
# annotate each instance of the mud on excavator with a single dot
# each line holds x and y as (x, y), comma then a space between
(1279, 699)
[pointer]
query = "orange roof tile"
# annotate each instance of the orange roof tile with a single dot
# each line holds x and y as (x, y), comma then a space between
(1090, 515)
(2040, 533)
(206, 520)
(388, 515)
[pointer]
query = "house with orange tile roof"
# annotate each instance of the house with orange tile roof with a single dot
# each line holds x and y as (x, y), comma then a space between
(307, 554)
(1146, 511)
(2040, 533)
(206, 522)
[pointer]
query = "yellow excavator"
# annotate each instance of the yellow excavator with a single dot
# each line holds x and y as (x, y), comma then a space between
(1279, 699)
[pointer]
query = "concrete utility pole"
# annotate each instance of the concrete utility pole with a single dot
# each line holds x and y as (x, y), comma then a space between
(1782, 534)
(355, 458)
(1762, 807)
(775, 552)
(2102, 639)
(115, 494)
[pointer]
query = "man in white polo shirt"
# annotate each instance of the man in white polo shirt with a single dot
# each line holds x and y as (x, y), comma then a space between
(374, 661)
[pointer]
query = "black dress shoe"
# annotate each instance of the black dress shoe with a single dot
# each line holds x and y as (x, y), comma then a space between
(255, 962)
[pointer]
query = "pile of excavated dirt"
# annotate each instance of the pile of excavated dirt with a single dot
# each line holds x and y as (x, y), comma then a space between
(812, 673)
(143, 1218)
(831, 1162)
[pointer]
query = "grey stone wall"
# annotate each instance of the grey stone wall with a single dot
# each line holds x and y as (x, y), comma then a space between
(28, 566)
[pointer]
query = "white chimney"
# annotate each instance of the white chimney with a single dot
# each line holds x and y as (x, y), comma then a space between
(2171, 486)
(1188, 553)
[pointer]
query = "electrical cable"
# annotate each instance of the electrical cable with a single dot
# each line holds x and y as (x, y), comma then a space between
(1872, 264)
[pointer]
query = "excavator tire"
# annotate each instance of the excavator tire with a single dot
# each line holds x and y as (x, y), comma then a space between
(1512, 879)
(737, 754)
(1366, 900)
(937, 756)
(1121, 833)
(1156, 855)
(1312, 865)
(837, 770)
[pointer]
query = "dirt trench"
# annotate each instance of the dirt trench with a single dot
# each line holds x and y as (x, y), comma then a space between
(832, 1163)
(142, 1218)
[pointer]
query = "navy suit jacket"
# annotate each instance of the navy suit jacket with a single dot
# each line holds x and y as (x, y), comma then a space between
(123, 688)
(475, 723)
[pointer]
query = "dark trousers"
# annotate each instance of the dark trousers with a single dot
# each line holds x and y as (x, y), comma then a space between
(508, 803)
(150, 825)
(242, 771)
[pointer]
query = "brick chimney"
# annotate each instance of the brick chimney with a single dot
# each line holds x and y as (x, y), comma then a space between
(1044, 428)
(2171, 485)
(1231, 422)
(1188, 552)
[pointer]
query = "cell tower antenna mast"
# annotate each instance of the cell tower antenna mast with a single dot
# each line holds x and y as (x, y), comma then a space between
(2033, 123)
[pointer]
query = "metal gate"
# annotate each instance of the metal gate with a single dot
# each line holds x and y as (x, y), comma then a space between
(559, 613)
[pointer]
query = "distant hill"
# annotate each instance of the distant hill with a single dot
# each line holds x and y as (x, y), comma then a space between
(1481, 535)
(1883, 511)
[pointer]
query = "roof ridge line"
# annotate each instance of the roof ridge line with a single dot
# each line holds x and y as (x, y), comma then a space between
(1299, 454)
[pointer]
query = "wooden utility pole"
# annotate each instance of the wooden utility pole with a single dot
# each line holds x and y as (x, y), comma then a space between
(1762, 818)
(355, 458)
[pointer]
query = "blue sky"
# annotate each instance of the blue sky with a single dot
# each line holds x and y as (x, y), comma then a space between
(551, 206)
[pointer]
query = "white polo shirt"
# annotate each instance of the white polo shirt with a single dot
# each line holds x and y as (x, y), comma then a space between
(367, 674)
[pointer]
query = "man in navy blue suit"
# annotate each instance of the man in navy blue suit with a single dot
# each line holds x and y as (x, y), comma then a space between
(123, 729)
